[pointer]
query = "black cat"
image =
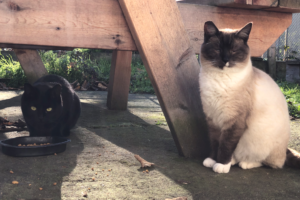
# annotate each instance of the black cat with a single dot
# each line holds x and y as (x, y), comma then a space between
(50, 106)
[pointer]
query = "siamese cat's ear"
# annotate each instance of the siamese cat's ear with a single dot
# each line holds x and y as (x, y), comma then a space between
(245, 32)
(210, 30)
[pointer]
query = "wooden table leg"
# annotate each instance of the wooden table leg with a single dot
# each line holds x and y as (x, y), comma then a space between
(119, 80)
(172, 66)
(31, 63)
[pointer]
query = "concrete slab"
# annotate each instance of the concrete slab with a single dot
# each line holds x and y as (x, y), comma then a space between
(117, 136)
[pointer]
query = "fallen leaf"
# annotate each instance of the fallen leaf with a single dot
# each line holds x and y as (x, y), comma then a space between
(11, 172)
(84, 86)
(41, 188)
(15, 182)
(143, 162)
(101, 86)
(77, 88)
(292, 118)
(54, 184)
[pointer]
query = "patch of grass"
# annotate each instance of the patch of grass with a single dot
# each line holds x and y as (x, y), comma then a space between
(291, 92)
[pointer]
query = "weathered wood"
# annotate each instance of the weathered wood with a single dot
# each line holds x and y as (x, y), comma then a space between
(100, 24)
(170, 61)
(25, 46)
(119, 80)
(289, 6)
(272, 61)
(65, 23)
(267, 26)
(31, 63)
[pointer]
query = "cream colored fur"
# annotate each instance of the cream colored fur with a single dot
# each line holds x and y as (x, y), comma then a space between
(266, 138)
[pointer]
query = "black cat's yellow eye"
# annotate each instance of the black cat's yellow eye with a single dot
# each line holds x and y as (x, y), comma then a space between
(49, 109)
(33, 108)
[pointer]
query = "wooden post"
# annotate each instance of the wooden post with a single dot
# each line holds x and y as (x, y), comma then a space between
(31, 63)
(272, 61)
(119, 80)
(169, 58)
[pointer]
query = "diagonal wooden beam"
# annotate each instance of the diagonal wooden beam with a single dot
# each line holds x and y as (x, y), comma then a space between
(169, 58)
(31, 63)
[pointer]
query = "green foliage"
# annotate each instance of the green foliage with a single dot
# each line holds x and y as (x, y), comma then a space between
(79, 64)
(140, 82)
(12, 70)
(76, 65)
(291, 92)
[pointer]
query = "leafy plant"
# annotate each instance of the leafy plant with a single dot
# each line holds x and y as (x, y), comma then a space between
(140, 82)
(291, 92)
(11, 70)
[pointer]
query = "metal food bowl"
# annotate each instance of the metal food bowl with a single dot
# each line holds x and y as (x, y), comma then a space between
(57, 145)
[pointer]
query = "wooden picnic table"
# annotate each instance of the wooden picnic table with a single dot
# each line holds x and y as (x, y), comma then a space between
(166, 33)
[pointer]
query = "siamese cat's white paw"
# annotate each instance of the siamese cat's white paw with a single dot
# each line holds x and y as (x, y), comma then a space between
(208, 162)
(249, 165)
(220, 168)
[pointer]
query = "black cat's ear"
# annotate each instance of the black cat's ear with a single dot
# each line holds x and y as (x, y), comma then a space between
(56, 90)
(210, 30)
(245, 32)
(29, 89)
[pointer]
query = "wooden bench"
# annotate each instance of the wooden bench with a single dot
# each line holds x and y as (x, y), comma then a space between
(166, 34)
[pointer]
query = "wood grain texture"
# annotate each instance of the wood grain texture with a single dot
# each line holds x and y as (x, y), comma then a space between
(290, 6)
(31, 63)
(267, 26)
(160, 36)
(65, 23)
(119, 80)
(100, 24)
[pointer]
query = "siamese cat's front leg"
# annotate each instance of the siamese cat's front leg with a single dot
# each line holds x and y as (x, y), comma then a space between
(214, 134)
(228, 141)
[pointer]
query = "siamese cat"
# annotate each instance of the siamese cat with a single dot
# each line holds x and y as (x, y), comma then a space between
(246, 112)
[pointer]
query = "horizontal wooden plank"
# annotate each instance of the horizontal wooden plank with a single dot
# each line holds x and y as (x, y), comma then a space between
(65, 23)
(60, 24)
(26, 46)
(267, 26)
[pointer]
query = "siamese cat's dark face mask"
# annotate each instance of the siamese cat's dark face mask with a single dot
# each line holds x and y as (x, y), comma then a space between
(225, 48)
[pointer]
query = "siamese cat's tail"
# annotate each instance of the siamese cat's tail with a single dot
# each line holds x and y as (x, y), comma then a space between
(292, 158)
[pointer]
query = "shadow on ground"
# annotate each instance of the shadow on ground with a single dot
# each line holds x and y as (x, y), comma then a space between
(102, 147)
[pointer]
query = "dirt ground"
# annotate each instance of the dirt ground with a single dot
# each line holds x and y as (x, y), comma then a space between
(117, 136)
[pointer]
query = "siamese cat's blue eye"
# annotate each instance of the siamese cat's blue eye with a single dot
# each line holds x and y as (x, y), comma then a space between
(33, 108)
